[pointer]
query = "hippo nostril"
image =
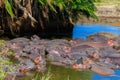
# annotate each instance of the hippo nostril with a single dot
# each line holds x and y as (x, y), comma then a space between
(19, 70)
(110, 42)
(37, 59)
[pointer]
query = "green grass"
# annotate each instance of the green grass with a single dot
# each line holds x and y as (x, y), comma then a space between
(59, 73)
(44, 76)
(5, 63)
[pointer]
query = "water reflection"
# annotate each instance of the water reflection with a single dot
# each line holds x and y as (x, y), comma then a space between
(61, 73)
(116, 76)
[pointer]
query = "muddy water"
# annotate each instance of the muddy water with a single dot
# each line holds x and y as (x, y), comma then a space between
(61, 73)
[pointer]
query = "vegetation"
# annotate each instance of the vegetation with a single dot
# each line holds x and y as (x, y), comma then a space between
(4, 61)
(22, 16)
(44, 76)
(59, 73)
(4, 64)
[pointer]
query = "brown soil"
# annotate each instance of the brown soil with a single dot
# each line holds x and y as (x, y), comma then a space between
(116, 24)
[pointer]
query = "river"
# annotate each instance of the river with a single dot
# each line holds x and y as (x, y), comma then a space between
(84, 30)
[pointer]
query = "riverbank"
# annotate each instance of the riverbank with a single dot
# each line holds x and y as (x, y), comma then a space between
(108, 13)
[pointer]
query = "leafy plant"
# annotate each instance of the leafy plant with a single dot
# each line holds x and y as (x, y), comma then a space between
(97, 0)
(42, 13)
(71, 8)
(2, 43)
(5, 63)
(8, 7)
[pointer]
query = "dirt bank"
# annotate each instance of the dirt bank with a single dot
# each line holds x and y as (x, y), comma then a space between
(107, 14)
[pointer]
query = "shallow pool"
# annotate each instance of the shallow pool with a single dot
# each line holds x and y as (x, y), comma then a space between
(61, 73)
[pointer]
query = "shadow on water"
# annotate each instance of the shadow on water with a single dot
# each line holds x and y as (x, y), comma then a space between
(61, 73)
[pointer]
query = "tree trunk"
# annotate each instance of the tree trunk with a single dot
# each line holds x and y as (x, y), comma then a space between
(31, 18)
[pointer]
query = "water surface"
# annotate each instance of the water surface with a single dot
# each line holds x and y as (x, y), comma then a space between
(61, 73)
(116, 76)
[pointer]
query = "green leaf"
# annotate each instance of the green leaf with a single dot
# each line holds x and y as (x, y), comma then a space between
(51, 5)
(41, 2)
(8, 8)
(52, 8)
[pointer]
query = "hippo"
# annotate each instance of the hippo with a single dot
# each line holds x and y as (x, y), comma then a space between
(23, 41)
(107, 65)
(108, 52)
(101, 37)
(76, 42)
(35, 38)
(97, 53)
(101, 70)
